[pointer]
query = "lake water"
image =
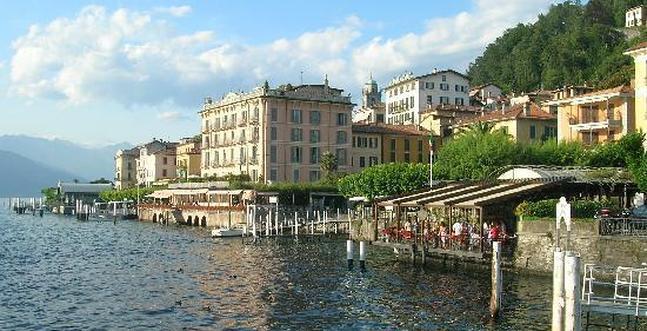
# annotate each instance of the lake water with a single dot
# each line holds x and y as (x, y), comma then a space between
(59, 273)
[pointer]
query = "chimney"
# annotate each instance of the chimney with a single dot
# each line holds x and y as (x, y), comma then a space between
(435, 71)
(526, 109)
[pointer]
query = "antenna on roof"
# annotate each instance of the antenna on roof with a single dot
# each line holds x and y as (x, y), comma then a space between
(301, 77)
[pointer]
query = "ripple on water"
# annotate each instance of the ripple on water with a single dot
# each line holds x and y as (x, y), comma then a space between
(58, 273)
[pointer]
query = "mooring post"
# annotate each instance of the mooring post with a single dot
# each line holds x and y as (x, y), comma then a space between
(349, 253)
(319, 219)
(572, 301)
(558, 289)
(325, 222)
(296, 226)
(254, 228)
(267, 225)
(362, 256)
(497, 280)
(423, 251)
(350, 226)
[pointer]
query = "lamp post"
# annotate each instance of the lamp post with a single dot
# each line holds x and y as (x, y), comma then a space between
(431, 161)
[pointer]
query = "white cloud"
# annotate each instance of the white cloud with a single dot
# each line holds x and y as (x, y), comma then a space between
(137, 59)
(170, 116)
(177, 11)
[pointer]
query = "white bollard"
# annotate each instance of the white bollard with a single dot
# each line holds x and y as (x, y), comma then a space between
(267, 225)
(319, 221)
(296, 224)
(572, 300)
(350, 226)
(497, 280)
(362, 256)
(254, 228)
(325, 222)
(349, 253)
(558, 289)
(337, 213)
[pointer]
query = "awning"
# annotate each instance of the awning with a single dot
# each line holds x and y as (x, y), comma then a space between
(189, 192)
(161, 194)
(469, 195)
(225, 192)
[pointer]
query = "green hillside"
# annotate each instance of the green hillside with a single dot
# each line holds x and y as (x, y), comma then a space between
(574, 43)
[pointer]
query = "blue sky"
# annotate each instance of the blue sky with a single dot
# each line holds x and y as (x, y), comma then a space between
(111, 71)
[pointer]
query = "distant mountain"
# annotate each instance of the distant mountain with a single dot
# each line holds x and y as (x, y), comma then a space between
(21, 177)
(82, 162)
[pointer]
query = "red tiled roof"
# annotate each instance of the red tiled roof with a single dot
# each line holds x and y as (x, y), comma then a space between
(380, 128)
(639, 46)
(515, 112)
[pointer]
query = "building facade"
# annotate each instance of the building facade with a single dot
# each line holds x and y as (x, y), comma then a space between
(485, 94)
(635, 16)
(441, 121)
(126, 168)
(384, 143)
(188, 158)
(276, 134)
(367, 147)
(156, 162)
(407, 95)
(526, 123)
(595, 117)
(639, 54)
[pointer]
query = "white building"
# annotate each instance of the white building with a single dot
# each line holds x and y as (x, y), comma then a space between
(156, 162)
(635, 17)
(407, 95)
(485, 94)
(372, 109)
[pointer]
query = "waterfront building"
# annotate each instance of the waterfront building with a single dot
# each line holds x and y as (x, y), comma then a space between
(372, 109)
(126, 168)
(383, 143)
(188, 158)
(526, 122)
(595, 117)
(639, 54)
(276, 134)
(88, 193)
(441, 120)
(636, 16)
(156, 162)
(485, 95)
(408, 95)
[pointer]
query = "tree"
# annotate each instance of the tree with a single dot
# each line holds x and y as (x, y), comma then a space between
(478, 127)
(385, 179)
(328, 164)
(101, 181)
(475, 155)
(51, 195)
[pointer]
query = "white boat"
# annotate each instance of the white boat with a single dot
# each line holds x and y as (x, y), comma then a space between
(224, 232)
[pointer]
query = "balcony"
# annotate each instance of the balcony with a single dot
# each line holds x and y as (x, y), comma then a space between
(594, 123)
(253, 120)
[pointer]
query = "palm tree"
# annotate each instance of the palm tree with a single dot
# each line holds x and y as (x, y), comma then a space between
(478, 128)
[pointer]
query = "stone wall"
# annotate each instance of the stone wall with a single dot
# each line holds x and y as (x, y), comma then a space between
(536, 242)
(208, 218)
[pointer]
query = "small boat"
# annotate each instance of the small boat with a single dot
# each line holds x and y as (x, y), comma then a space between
(224, 232)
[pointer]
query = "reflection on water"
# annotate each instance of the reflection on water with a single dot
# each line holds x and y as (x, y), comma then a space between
(57, 273)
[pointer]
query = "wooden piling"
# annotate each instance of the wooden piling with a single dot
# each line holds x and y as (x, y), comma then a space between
(497, 280)
(349, 253)
(362, 256)
(558, 290)
(572, 301)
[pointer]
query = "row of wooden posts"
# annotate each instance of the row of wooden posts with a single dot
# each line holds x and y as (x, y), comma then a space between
(22, 205)
(271, 225)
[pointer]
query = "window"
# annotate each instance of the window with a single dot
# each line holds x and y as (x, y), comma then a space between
(429, 99)
(380, 118)
(164, 161)
(429, 85)
(295, 154)
(315, 136)
(420, 143)
(420, 157)
(315, 117)
(372, 160)
(393, 155)
(273, 174)
(296, 134)
(341, 137)
(406, 156)
(392, 144)
(533, 132)
(273, 157)
(163, 172)
(411, 103)
(296, 175)
(444, 78)
(444, 100)
(444, 86)
(340, 153)
(274, 113)
(354, 141)
(130, 165)
(314, 155)
(273, 133)
(407, 145)
(457, 88)
(362, 162)
(342, 119)
(458, 101)
(314, 175)
(296, 116)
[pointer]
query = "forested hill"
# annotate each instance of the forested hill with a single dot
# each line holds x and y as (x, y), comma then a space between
(574, 43)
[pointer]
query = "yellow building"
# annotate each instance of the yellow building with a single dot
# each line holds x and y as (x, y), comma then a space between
(188, 158)
(525, 122)
(440, 120)
(395, 143)
(595, 117)
(126, 168)
(639, 53)
(276, 134)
